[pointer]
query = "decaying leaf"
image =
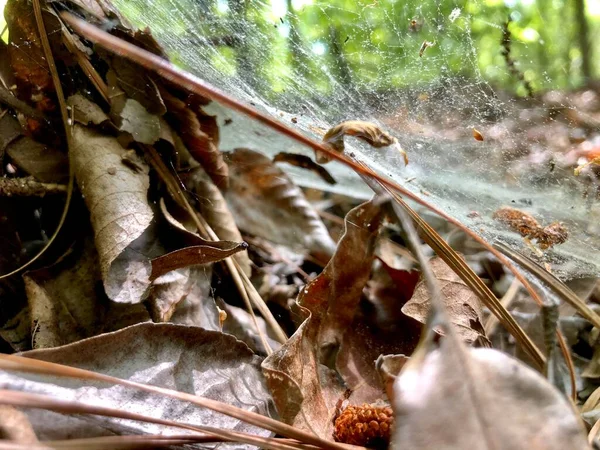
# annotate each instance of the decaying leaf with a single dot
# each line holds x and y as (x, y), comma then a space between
(197, 308)
(189, 359)
(86, 112)
(463, 305)
(199, 143)
(190, 256)
(134, 119)
(304, 162)
(116, 197)
(38, 160)
(303, 388)
(368, 132)
(214, 209)
(261, 197)
(65, 304)
(26, 55)
(479, 398)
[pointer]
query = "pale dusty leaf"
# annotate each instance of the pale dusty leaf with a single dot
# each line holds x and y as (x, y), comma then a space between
(65, 304)
(240, 324)
(266, 203)
(198, 308)
(592, 401)
(85, 111)
(15, 426)
(116, 196)
(63, 301)
(303, 387)
(189, 359)
(137, 121)
(463, 305)
(457, 398)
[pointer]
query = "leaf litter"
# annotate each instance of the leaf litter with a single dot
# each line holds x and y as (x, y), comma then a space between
(158, 294)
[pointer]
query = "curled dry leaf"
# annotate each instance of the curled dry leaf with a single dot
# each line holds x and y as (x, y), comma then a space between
(261, 198)
(116, 196)
(462, 304)
(305, 391)
(305, 162)
(457, 398)
(193, 360)
(199, 143)
(367, 131)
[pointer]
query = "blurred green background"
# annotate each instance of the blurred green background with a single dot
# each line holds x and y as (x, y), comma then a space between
(374, 45)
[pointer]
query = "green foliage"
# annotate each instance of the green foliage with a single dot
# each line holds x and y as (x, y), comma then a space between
(373, 45)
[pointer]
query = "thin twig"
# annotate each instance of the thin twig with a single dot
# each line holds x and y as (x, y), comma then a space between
(29, 187)
(34, 400)
(7, 98)
(506, 301)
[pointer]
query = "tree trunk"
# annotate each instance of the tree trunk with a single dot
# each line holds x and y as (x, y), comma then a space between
(584, 40)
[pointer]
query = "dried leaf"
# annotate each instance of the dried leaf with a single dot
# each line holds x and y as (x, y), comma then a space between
(368, 132)
(463, 305)
(137, 121)
(304, 162)
(38, 160)
(190, 256)
(26, 55)
(86, 112)
(240, 324)
(189, 359)
(198, 308)
(455, 398)
(132, 79)
(304, 390)
(389, 367)
(116, 196)
(214, 209)
(261, 197)
(65, 303)
(167, 292)
(198, 142)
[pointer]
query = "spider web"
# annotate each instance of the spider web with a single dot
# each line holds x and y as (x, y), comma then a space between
(415, 69)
